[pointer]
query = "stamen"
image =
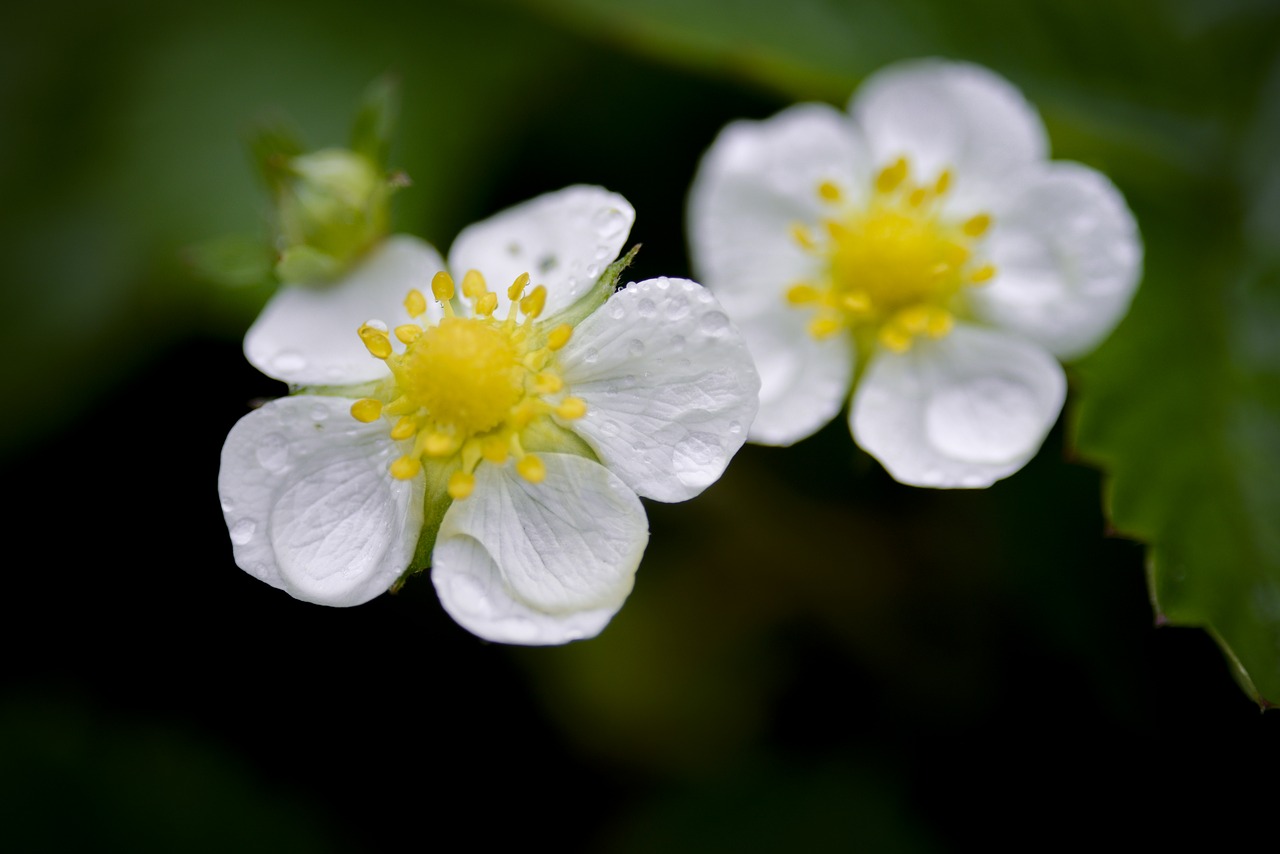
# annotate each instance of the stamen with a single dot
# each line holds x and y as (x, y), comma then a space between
(366, 410)
(531, 468)
(415, 303)
(572, 408)
(518, 286)
(461, 485)
(943, 183)
(985, 273)
(404, 428)
(829, 191)
(376, 341)
(559, 336)
(473, 286)
(800, 234)
(894, 338)
(917, 197)
(438, 444)
(856, 302)
(891, 176)
(940, 323)
(408, 332)
(545, 383)
(406, 468)
(442, 286)
(976, 226)
(534, 302)
(487, 304)
(823, 327)
(494, 449)
(802, 294)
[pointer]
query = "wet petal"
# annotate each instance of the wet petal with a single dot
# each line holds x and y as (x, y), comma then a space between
(950, 115)
(306, 335)
(1068, 257)
(669, 386)
(309, 504)
(540, 563)
(963, 411)
(758, 180)
(563, 240)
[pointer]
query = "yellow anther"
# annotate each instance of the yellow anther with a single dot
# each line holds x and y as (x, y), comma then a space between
(408, 332)
(439, 444)
(518, 286)
(857, 302)
(473, 285)
(442, 286)
(801, 294)
(917, 197)
(891, 176)
(494, 449)
(976, 226)
(559, 336)
(406, 468)
(940, 323)
(800, 234)
(534, 302)
(829, 191)
(366, 410)
(896, 339)
(913, 320)
(404, 428)
(547, 383)
(415, 303)
(376, 341)
(954, 254)
(985, 273)
(943, 183)
(571, 408)
(487, 304)
(461, 484)
(531, 468)
(823, 327)
(837, 230)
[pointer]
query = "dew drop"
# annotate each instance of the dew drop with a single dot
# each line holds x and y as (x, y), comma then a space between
(288, 361)
(610, 221)
(547, 263)
(646, 308)
(636, 347)
(376, 324)
(273, 452)
(242, 531)
(616, 311)
(698, 459)
(609, 428)
(677, 343)
(714, 323)
(735, 428)
(591, 355)
(227, 506)
(319, 413)
(678, 310)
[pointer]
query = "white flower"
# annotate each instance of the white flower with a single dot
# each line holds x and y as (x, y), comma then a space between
(505, 433)
(923, 251)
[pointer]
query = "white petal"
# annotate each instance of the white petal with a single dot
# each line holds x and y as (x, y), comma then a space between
(963, 411)
(306, 335)
(950, 115)
(563, 240)
(540, 563)
(1068, 257)
(310, 504)
(756, 182)
(803, 381)
(669, 386)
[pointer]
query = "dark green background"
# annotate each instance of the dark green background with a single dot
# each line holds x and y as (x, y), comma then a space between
(815, 658)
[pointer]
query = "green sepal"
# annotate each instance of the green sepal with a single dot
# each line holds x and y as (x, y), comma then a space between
(596, 296)
(233, 260)
(436, 502)
(304, 263)
(271, 147)
(376, 120)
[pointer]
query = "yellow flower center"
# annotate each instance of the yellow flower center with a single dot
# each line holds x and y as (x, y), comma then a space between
(467, 388)
(895, 267)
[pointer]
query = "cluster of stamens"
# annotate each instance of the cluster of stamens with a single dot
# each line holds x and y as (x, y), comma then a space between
(468, 387)
(895, 266)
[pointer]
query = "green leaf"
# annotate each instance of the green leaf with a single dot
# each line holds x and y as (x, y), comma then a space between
(375, 122)
(1184, 412)
(233, 260)
(271, 147)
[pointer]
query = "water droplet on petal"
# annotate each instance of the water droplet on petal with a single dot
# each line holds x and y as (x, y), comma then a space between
(616, 311)
(714, 323)
(591, 355)
(646, 308)
(636, 347)
(273, 452)
(610, 221)
(288, 361)
(319, 413)
(609, 428)
(735, 428)
(242, 531)
(677, 343)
